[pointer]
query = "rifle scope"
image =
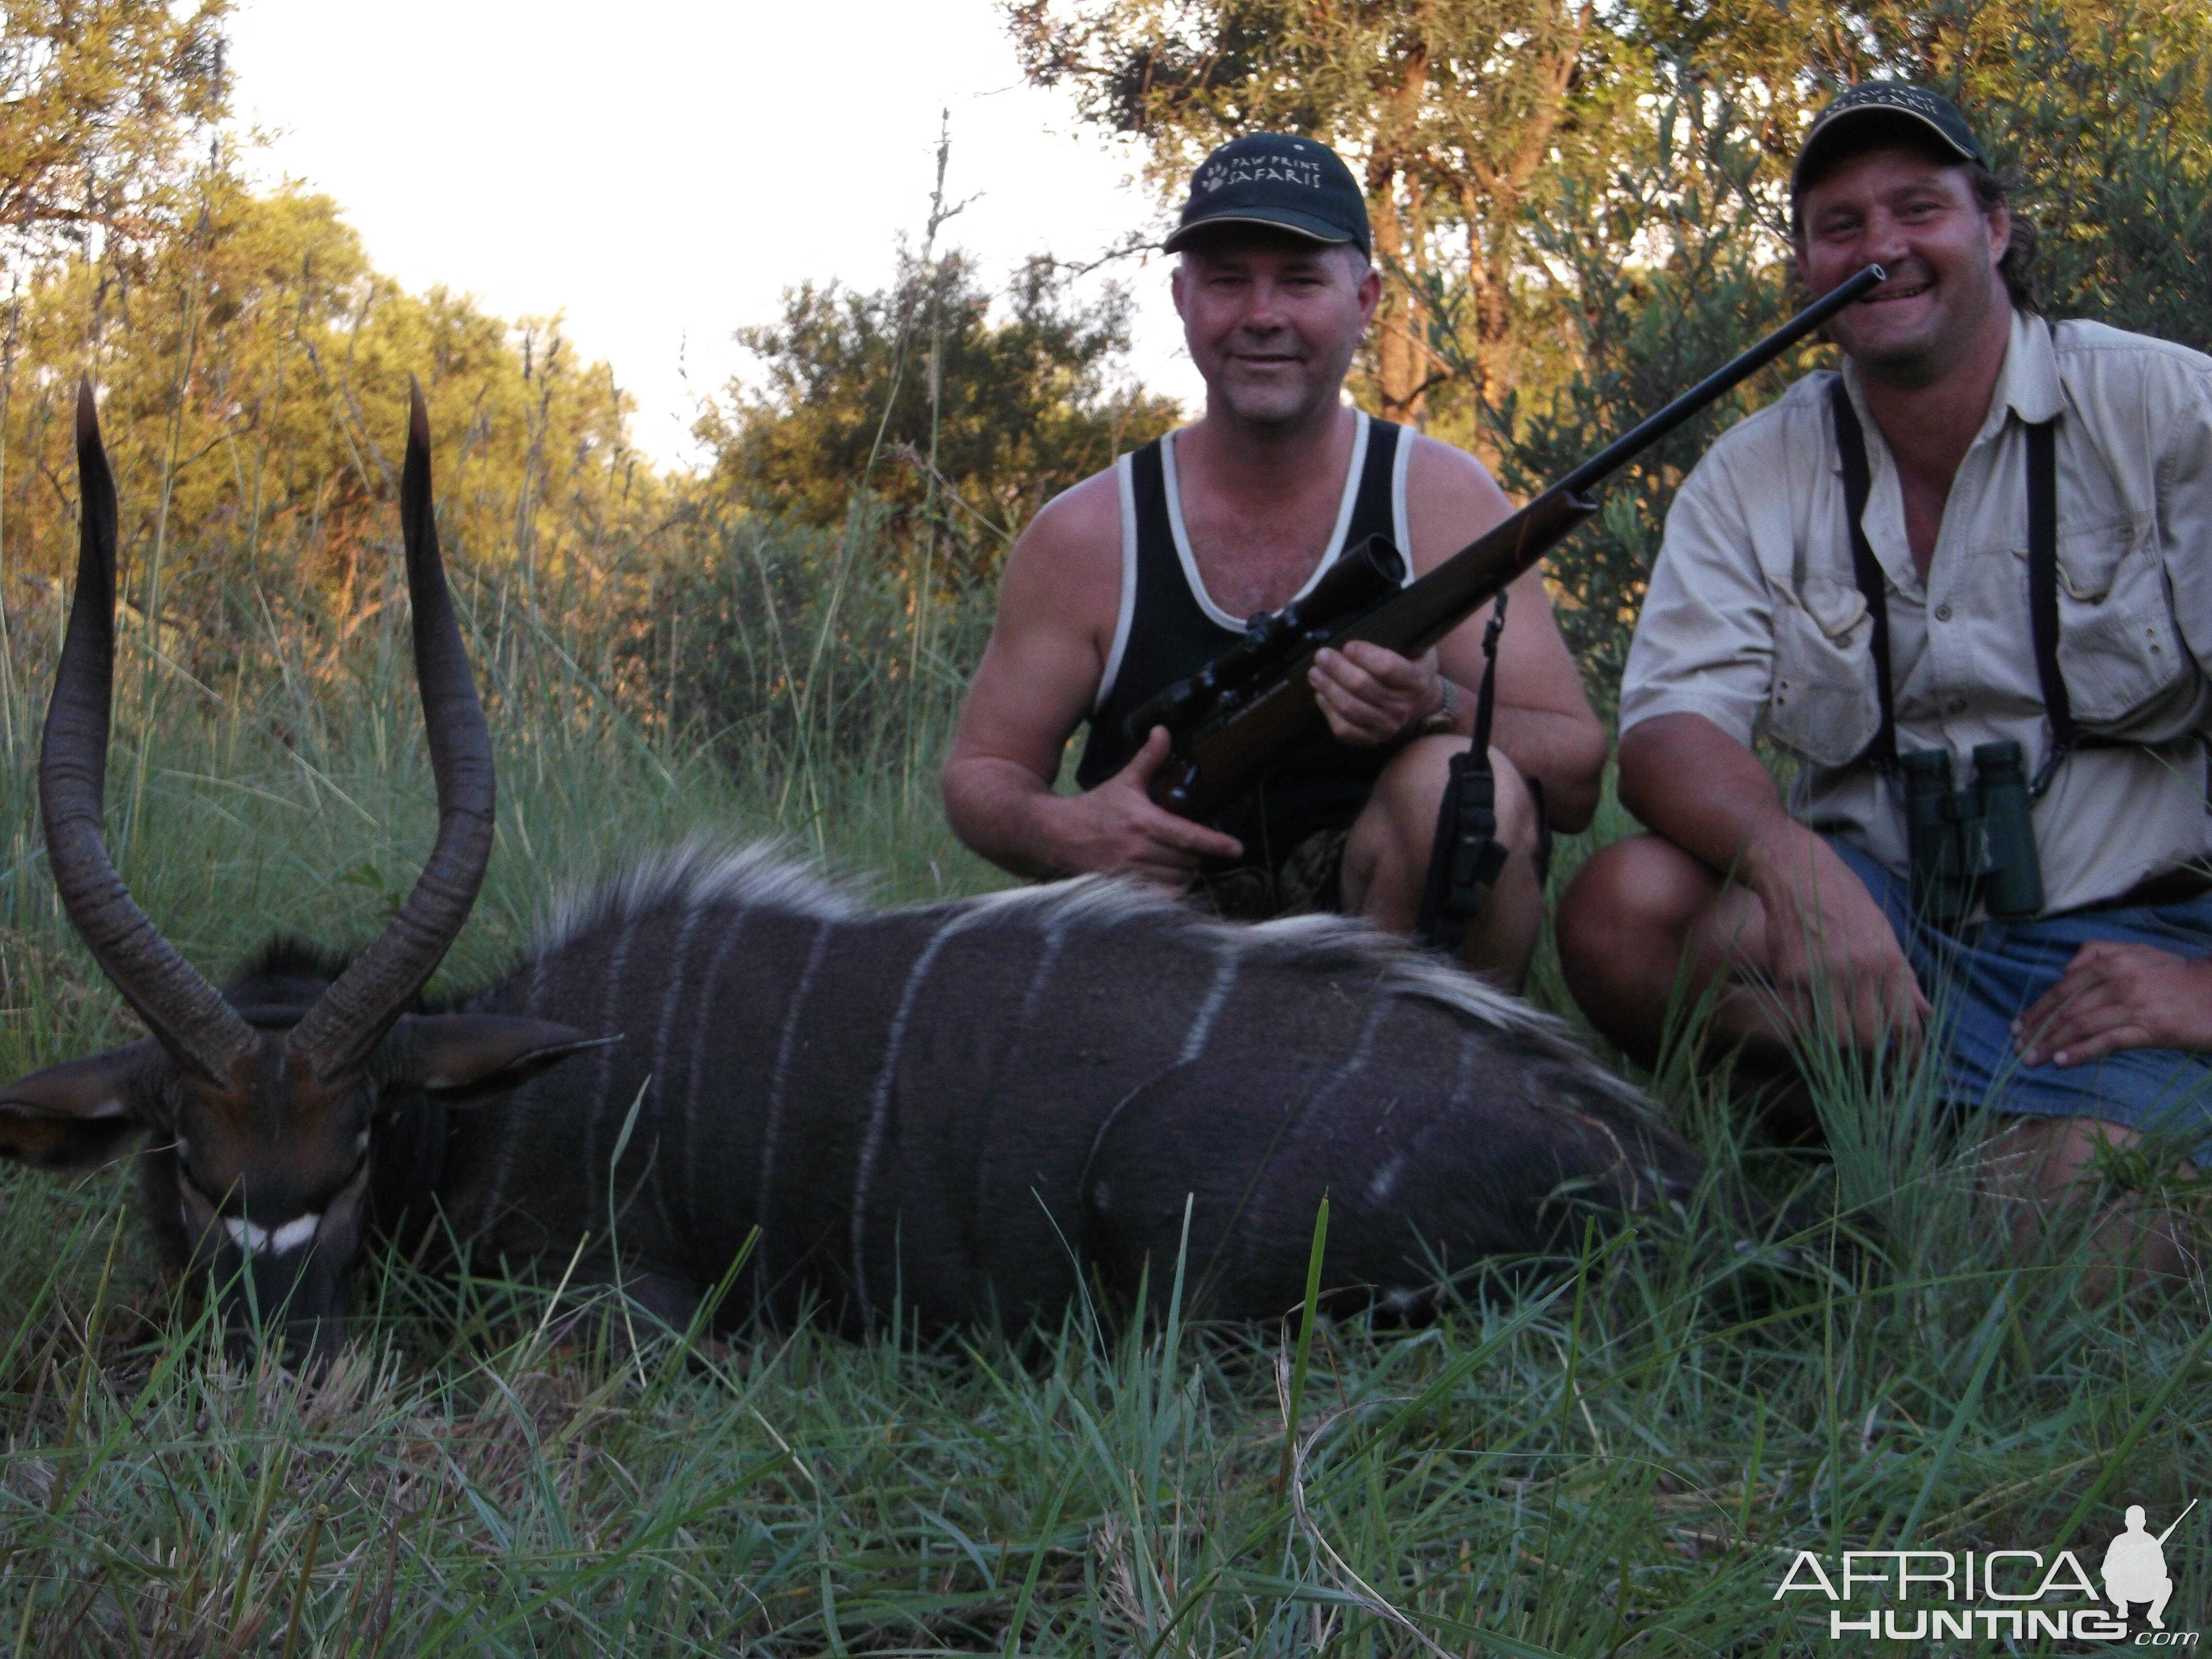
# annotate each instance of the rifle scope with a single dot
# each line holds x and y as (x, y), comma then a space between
(1347, 591)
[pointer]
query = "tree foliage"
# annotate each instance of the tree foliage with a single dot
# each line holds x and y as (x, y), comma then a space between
(99, 97)
(961, 411)
(253, 371)
(1676, 260)
(1582, 208)
(1459, 114)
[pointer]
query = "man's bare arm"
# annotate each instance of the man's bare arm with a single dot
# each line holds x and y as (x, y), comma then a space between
(1058, 602)
(1826, 938)
(1543, 721)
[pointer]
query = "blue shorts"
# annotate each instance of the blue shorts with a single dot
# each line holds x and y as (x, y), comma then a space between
(1987, 975)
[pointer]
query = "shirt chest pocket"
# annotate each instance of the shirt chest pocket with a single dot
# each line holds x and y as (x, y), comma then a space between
(2118, 646)
(1823, 703)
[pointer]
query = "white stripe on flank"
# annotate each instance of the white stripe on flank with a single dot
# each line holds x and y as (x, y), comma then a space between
(675, 991)
(1310, 1108)
(599, 1104)
(1047, 959)
(701, 1024)
(659, 1058)
(783, 1048)
(879, 1101)
(1361, 1047)
(1465, 1075)
(1224, 977)
(1125, 472)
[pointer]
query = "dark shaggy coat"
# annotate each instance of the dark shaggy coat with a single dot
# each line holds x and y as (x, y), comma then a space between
(968, 1107)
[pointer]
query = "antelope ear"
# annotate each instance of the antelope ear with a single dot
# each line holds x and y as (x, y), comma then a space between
(462, 1059)
(78, 1114)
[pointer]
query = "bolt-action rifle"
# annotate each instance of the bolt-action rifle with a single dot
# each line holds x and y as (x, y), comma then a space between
(1231, 722)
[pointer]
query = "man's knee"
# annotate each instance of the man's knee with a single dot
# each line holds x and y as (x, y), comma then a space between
(1410, 791)
(1628, 897)
(2055, 1158)
(1386, 861)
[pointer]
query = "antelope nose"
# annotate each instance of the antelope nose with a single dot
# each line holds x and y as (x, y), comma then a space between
(294, 1294)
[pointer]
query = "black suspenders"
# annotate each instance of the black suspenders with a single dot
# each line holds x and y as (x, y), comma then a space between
(1851, 441)
(2043, 599)
(2042, 587)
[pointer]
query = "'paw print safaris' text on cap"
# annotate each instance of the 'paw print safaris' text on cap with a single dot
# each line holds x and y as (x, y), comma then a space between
(1275, 179)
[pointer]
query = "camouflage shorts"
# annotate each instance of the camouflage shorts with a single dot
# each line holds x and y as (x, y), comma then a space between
(1308, 880)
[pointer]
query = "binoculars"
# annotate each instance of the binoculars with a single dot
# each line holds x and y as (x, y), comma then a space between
(1971, 845)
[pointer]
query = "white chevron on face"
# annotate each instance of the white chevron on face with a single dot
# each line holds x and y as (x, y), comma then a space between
(253, 1240)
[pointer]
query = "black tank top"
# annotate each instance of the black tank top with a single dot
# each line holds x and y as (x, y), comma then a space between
(1170, 629)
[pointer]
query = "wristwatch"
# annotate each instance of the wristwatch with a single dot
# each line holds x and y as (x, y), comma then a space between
(1446, 718)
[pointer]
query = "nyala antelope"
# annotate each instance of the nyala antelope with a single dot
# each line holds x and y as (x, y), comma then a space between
(970, 1110)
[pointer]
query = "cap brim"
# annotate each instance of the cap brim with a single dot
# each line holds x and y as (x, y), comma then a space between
(1826, 137)
(1298, 224)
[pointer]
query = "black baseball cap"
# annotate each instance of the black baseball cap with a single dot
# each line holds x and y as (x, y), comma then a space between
(1896, 104)
(1273, 178)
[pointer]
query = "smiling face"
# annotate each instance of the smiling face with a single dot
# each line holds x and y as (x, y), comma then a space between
(1273, 320)
(1919, 219)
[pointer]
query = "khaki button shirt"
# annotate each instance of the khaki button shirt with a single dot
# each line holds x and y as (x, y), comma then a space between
(1754, 621)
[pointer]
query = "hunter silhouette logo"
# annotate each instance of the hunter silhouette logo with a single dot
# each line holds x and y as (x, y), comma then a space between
(2012, 1595)
(2135, 1566)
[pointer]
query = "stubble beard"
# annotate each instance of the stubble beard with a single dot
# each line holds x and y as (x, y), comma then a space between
(1279, 402)
(1920, 360)
(1280, 407)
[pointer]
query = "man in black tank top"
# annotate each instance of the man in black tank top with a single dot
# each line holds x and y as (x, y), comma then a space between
(1139, 576)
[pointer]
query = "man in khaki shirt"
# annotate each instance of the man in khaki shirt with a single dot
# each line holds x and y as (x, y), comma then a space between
(2088, 1017)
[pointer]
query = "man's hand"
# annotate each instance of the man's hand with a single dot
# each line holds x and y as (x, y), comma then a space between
(1828, 943)
(1370, 695)
(2118, 996)
(1116, 827)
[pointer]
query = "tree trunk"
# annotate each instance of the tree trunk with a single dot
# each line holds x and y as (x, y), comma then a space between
(1400, 238)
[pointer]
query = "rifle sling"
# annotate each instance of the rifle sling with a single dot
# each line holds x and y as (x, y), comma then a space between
(1466, 858)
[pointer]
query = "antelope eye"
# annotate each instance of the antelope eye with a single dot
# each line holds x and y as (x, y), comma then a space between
(195, 1190)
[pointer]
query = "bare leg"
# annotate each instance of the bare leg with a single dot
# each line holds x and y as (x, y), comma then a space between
(1642, 922)
(1387, 859)
(1642, 914)
(2041, 1164)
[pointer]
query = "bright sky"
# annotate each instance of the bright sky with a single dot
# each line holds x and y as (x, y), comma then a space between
(659, 171)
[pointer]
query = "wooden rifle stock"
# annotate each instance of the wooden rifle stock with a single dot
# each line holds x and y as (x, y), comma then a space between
(1236, 744)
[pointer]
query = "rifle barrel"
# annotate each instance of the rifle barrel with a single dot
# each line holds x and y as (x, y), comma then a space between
(1650, 431)
(1223, 755)
(2177, 1520)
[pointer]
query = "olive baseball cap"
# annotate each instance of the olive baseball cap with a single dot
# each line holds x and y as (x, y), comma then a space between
(1273, 178)
(1893, 103)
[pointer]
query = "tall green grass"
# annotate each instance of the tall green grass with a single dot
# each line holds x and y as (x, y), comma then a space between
(1620, 1454)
